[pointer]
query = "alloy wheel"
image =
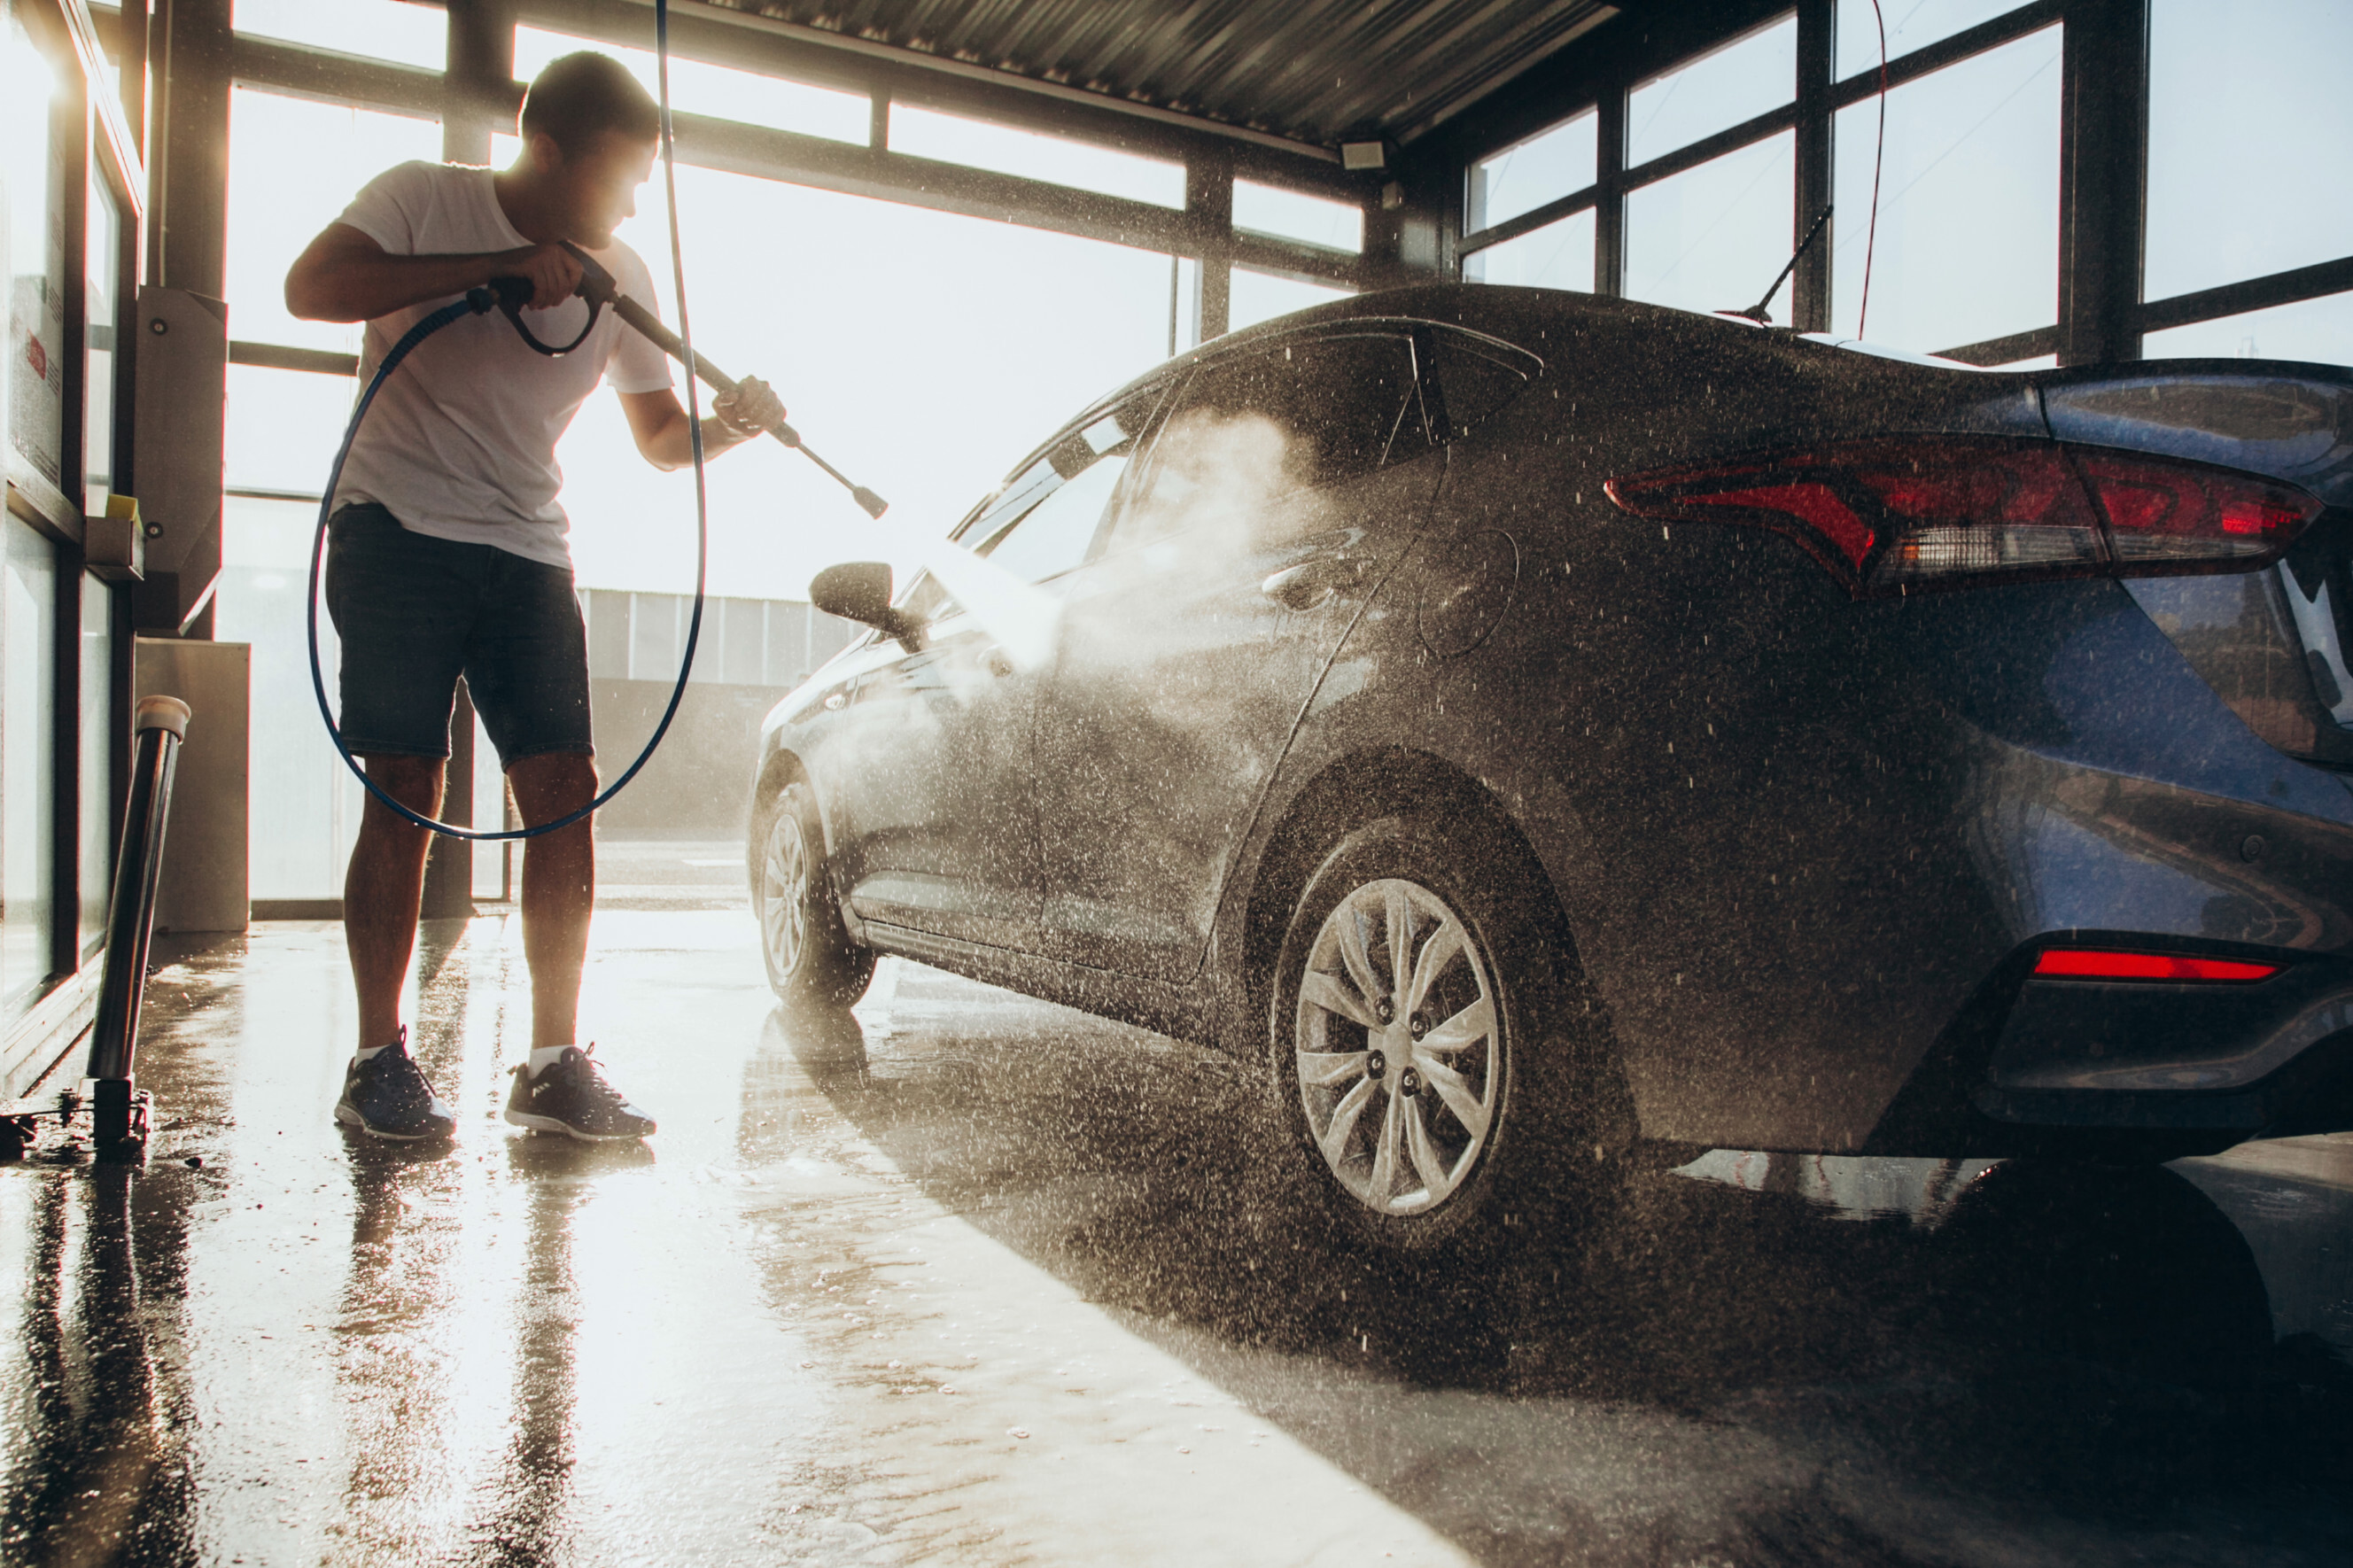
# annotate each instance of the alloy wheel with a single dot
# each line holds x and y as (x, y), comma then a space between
(1397, 1047)
(785, 871)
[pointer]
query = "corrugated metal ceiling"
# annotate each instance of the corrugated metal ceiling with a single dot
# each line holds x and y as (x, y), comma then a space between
(1320, 72)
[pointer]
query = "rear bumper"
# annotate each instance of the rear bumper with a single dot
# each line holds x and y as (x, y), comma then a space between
(2078, 856)
(2270, 1058)
(2093, 1036)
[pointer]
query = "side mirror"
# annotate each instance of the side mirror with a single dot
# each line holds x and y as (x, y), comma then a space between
(861, 591)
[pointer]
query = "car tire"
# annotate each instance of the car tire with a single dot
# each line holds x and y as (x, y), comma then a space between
(810, 957)
(1441, 1118)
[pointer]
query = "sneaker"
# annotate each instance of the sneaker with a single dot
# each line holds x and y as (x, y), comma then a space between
(570, 1096)
(386, 1097)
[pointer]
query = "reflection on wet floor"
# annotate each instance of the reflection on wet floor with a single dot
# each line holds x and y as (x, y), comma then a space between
(970, 1279)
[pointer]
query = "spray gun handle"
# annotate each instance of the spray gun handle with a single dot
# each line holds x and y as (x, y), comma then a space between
(596, 285)
(510, 293)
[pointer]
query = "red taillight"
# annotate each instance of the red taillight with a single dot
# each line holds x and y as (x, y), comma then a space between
(2167, 512)
(2095, 963)
(1885, 515)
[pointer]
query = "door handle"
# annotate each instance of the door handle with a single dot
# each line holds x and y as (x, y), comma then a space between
(1309, 584)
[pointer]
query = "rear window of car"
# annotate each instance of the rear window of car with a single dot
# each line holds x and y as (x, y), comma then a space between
(1251, 428)
(1476, 376)
(1335, 404)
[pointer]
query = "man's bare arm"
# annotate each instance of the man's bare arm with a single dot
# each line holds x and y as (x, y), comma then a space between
(659, 422)
(344, 275)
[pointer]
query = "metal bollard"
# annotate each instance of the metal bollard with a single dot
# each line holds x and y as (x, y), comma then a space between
(119, 1109)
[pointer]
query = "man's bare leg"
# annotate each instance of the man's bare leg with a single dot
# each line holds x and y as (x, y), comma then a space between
(559, 888)
(384, 889)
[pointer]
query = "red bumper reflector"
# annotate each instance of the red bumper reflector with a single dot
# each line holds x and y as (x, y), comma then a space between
(2090, 963)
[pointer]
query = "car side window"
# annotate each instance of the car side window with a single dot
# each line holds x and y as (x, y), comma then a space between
(1257, 426)
(1055, 506)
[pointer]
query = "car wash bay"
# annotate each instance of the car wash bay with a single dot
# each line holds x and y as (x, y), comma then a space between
(967, 1277)
(956, 1275)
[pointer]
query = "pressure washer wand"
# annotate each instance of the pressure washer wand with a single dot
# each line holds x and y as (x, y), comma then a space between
(598, 287)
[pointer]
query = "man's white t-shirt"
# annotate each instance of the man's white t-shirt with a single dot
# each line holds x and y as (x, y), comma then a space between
(461, 444)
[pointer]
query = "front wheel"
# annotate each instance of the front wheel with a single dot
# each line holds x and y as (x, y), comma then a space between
(1413, 990)
(811, 961)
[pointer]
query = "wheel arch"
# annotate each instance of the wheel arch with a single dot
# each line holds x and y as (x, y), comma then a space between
(1576, 1054)
(1364, 786)
(782, 767)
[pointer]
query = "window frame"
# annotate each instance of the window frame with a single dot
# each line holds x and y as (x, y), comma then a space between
(2096, 133)
(89, 129)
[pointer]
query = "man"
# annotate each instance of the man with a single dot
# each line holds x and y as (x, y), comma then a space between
(446, 552)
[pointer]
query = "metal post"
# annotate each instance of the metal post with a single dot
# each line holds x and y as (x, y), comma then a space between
(119, 1111)
(1609, 202)
(1810, 292)
(2103, 156)
(1209, 208)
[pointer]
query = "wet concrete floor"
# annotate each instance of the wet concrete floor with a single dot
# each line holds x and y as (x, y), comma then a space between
(974, 1279)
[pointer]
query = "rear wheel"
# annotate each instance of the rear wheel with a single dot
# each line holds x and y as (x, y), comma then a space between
(1413, 990)
(810, 957)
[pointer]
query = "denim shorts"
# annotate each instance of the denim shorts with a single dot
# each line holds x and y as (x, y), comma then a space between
(415, 612)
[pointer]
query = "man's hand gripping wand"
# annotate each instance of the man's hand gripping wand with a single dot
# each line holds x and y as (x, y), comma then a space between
(601, 290)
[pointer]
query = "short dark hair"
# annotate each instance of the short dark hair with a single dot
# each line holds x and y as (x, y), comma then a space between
(581, 94)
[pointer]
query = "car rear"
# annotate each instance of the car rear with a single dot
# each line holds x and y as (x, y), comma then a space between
(2169, 824)
(1969, 753)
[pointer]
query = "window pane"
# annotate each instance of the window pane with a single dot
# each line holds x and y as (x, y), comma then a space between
(977, 144)
(2316, 330)
(1911, 25)
(1290, 215)
(495, 865)
(98, 722)
(28, 665)
(716, 90)
(1557, 256)
(1968, 203)
(1736, 81)
(1711, 239)
(300, 787)
(293, 167)
(283, 427)
(2245, 121)
(393, 31)
(32, 168)
(1260, 297)
(1526, 174)
(983, 358)
(101, 257)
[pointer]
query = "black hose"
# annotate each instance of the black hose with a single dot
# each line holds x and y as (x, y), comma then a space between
(479, 302)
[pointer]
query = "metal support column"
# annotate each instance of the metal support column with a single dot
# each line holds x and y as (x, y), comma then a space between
(1210, 204)
(188, 166)
(2104, 154)
(1808, 307)
(1609, 194)
(480, 65)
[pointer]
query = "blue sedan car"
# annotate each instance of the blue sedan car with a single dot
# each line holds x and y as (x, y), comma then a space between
(1548, 730)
